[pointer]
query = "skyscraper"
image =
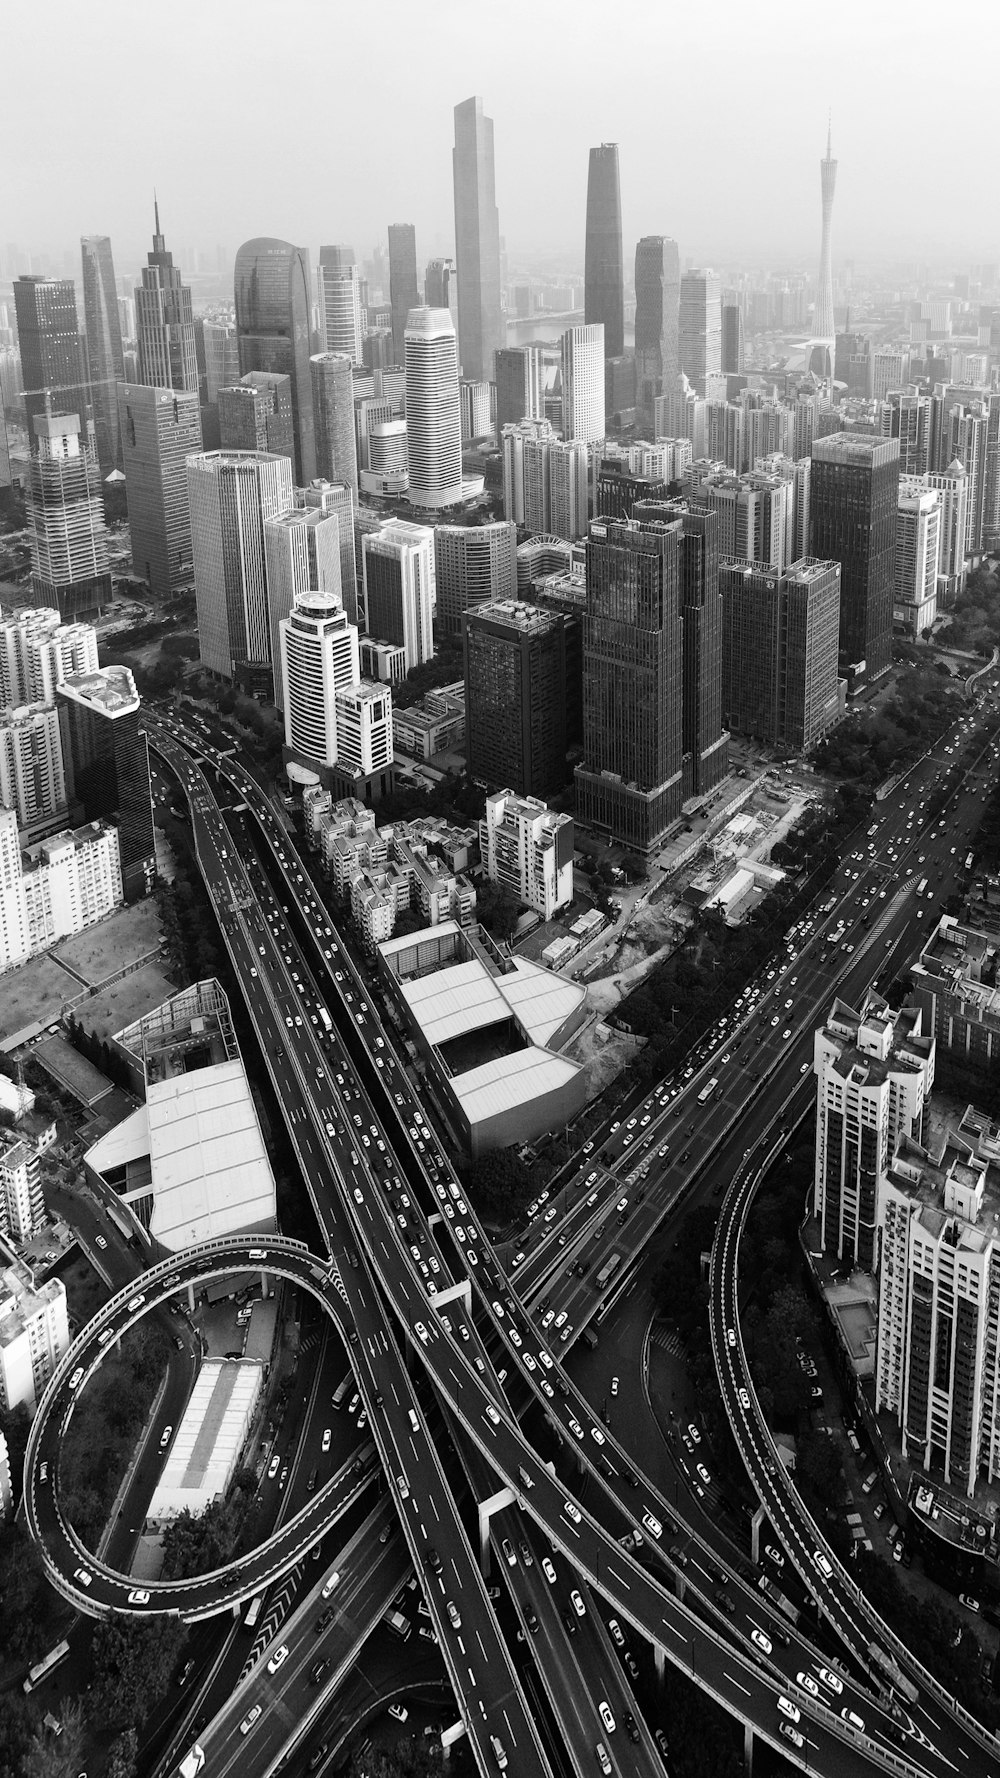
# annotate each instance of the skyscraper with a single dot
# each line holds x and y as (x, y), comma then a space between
(545, 480)
(403, 292)
(337, 497)
(160, 429)
(274, 330)
(515, 698)
(779, 650)
(582, 359)
(230, 494)
(630, 782)
(704, 738)
(657, 320)
(302, 555)
(918, 546)
(477, 242)
(164, 321)
(37, 650)
(433, 409)
(822, 349)
(340, 301)
(52, 353)
(104, 347)
(604, 294)
(700, 327)
(256, 414)
(852, 501)
(70, 566)
(441, 286)
(398, 567)
(473, 565)
(732, 338)
(317, 657)
(333, 416)
(519, 386)
(105, 743)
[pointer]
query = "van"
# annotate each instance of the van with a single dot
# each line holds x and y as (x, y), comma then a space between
(414, 1422)
(869, 1482)
(399, 1625)
(331, 1581)
(525, 1477)
(499, 1752)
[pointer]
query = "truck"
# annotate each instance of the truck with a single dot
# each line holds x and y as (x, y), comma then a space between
(922, 885)
(766, 1585)
(607, 1271)
(707, 1090)
(327, 1021)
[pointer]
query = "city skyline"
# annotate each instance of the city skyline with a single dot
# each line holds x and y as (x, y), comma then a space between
(541, 176)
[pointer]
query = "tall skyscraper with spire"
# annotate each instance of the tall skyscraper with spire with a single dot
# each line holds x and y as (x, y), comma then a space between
(603, 288)
(164, 321)
(104, 346)
(477, 242)
(823, 344)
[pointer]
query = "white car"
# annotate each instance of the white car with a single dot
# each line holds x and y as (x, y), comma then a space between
(763, 1642)
(789, 1709)
(808, 1684)
(138, 1596)
(326, 1440)
(548, 1571)
(607, 1719)
(831, 1680)
(576, 1600)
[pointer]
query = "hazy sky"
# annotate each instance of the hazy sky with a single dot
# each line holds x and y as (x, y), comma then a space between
(324, 120)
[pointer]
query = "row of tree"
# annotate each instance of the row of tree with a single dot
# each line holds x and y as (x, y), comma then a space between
(107, 1420)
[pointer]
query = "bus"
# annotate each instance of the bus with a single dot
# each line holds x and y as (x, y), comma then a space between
(253, 1611)
(43, 1668)
(607, 1271)
(921, 886)
(340, 1393)
(327, 1021)
(707, 1090)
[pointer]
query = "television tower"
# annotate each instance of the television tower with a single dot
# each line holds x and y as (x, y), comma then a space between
(822, 346)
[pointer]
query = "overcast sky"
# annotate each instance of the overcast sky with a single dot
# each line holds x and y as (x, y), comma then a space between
(324, 120)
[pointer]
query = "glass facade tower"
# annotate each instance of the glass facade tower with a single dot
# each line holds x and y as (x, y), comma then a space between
(273, 328)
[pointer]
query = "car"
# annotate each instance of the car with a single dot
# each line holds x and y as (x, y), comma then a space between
(968, 1601)
(731, 1335)
(569, 1623)
(652, 1525)
(808, 1684)
(603, 1759)
(830, 1680)
(526, 1556)
(789, 1709)
(661, 1741)
(703, 1473)
(614, 1385)
(399, 1711)
(491, 1414)
(434, 1560)
(744, 1400)
(823, 1564)
(879, 1510)
(509, 1554)
(853, 1720)
(403, 1486)
(617, 1633)
(138, 1596)
(763, 1642)
(571, 1511)
(165, 1436)
(319, 1669)
(77, 1378)
(791, 1733)
(273, 1467)
(278, 1658)
(597, 1435)
(604, 1712)
(774, 1555)
(421, 1332)
(575, 1428)
(695, 1434)
(576, 1600)
(454, 1616)
(101, 1242)
(250, 1718)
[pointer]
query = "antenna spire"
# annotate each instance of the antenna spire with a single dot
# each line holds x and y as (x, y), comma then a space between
(829, 132)
(156, 211)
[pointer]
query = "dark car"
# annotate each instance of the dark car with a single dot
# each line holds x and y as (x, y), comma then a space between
(317, 1671)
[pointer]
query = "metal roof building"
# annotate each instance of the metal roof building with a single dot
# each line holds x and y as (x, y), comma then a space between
(207, 1446)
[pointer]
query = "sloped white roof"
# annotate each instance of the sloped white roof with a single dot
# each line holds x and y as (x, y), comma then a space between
(541, 1000)
(210, 1170)
(206, 1445)
(463, 997)
(510, 1081)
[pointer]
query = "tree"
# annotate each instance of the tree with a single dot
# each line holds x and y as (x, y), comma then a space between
(820, 1469)
(56, 1756)
(133, 1663)
(497, 908)
(122, 1755)
(499, 1182)
(195, 1544)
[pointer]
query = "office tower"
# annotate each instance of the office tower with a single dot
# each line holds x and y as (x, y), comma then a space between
(700, 327)
(473, 565)
(545, 480)
(33, 780)
(853, 488)
(404, 294)
(657, 321)
(874, 1073)
(433, 412)
(256, 414)
(301, 555)
(797, 476)
(53, 365)
(906, 415)
(477, 242)
(964, 435)
(337, 497)
(953, 486)
(725, 425)
(364, 741)
(515, 698)
(528, 847)
(222, 357)
(780, 634)
(753, 512)
(105, 363)
(273, 329)
(37, 650)
(888, 372)
(619, 486)
(398, 569)
(340, 302)
(619, 389)
(822, 347)
(231, 494)
(474, 408)
(164, 322)
(732, 338)
(70, 566)
(370, 411)
(704, 739)
(317, 656)
(518, 386)
(105, 745)
(630, 784)
(604, 295)
(333, 414)
(160, 429)
(918, 546)
(387, 451)
(582, 363)
(441, 286)
(36, 1335)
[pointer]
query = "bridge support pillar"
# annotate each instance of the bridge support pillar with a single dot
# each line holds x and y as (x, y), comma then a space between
(190, 1299)
(450, 1736)
(758, 1521)
(659, 1661)
(748, 1750)
(495, 1504)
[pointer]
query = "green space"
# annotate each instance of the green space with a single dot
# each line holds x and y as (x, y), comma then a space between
(107, 1419)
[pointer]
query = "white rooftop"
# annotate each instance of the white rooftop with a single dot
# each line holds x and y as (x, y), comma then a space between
(210, 1170)
(204, 1450)
(510, 1081)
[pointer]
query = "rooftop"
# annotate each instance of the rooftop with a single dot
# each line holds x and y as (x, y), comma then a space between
(111, 690)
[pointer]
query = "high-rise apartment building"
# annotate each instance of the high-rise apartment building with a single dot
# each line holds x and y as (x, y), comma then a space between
(164, 322)
(160, 429)
(477, 242)
(231, 494)
(273, 329)
(105, 744)
(433, 409)
(780, 633)
(106, 365)
(333, 415)
(952, 483)
(888, 372)
(340, 302)
(22, 1205)
(70, 565)
(473, 565)
(37, 650)
(604, 294)
(519, 386)
(582, 362)
(874, 1073)
(657, 321)
(525, 845)
(854, 485)
(753, 512)
(256, 414)
(15, 942)
(515, 698)
(630, 783)
(918, 549)
(34, 1335)
(53, 362)
(302, 555)
(404, 293)
(398, 568)
(796, 472)
(317, 657)
(33, 778)
(700, 327)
